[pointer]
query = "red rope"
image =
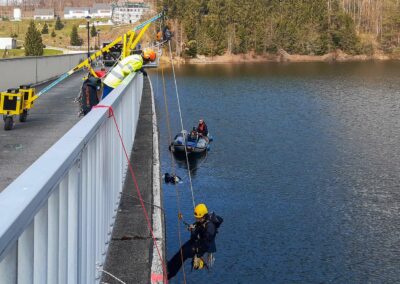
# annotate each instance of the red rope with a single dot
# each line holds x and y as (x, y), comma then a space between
(111, 114)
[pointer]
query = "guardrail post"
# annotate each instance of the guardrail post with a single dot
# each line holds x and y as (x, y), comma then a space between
(53, 236)
(40, 247)
(84, 204)
(63, 233)
(25, 256)
(73, 186)
(8, 267)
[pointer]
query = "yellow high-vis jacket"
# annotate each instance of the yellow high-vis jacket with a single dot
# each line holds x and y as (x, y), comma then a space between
(129, 64)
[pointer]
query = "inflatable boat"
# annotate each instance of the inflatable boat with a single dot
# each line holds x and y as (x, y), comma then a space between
(194, 143)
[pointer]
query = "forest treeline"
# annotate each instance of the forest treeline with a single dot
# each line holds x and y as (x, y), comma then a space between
(311, 27)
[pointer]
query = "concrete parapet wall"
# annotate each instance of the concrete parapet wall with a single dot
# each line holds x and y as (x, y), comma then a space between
(32, 70)
(132, 256)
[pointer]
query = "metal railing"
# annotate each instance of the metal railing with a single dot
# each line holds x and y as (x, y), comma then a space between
(56, 219)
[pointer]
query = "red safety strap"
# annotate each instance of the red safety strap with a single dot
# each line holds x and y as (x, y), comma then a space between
(111, 114)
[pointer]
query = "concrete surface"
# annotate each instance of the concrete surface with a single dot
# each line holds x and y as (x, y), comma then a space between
(52, 116)
(130, 253)
(30, 70)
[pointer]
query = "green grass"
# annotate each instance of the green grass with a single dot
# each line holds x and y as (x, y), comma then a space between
(62, 38)
(48, 52)
(11, 53)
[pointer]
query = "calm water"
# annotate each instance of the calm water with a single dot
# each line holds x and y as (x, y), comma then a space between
(304, 169)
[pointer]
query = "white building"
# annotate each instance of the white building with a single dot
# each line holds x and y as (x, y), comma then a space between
(43, 14)
(17, 14)
(76, 12)
(100, 10)
(8, 43)
(129, 12)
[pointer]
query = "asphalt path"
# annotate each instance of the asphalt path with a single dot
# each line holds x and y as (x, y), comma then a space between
(53, 114)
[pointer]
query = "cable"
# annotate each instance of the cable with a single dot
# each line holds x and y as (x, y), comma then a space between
(180, 116)
(108, 273)
(173, 168)
(111, 114)
(149, 203)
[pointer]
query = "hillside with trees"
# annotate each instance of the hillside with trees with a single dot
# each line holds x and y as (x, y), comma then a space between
(305, 27)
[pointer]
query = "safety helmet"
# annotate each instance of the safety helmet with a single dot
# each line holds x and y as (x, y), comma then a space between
(149, 54)
(200, 210)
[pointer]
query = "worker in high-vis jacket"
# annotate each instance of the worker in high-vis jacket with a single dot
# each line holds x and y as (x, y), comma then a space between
(126, 66)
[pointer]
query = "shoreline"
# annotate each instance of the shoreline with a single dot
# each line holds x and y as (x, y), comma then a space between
(281, 56)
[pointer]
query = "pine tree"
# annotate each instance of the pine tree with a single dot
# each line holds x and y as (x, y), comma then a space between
(33, 41)
(45, 29)
(75, 39)
(53, 34)
(59, 25)
(93, 31)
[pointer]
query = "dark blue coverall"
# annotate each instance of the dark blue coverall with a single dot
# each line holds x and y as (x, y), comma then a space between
(202, 240)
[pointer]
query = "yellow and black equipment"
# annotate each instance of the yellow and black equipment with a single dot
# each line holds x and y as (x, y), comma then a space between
(16, 102)
(19, 101)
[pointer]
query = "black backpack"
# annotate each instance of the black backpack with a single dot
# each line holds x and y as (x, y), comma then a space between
(90, 94)
(217, 220)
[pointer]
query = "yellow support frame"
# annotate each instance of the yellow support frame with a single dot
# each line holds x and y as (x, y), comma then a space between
(23, 100)
(29, 97)
(127, 49)
(130, 44)
(124, 48)
(16, 100)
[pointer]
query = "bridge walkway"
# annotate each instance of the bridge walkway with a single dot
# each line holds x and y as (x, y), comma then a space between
(52, 116)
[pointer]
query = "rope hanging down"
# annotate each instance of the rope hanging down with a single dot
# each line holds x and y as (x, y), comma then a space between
(111, 114)
(173, 168)
(180, 116)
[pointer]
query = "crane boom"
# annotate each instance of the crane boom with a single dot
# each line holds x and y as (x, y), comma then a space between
(86, 63)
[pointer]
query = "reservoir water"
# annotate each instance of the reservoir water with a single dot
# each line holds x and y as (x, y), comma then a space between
(304, 168)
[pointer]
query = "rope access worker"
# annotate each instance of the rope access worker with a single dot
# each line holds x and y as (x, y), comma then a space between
(202, 128)
(202, 240)
(126, 66)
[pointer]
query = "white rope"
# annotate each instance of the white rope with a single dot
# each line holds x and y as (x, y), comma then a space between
(180, 116)
(108, 273)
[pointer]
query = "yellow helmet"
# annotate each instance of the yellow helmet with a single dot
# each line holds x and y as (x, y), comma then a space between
(149, 54)
(200, 210)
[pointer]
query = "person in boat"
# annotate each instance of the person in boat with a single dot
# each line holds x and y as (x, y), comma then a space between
(126, 66)
(202, 129)
(193, 136)
(202, 240)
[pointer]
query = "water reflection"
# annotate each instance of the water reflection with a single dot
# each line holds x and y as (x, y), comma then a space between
(195, 161)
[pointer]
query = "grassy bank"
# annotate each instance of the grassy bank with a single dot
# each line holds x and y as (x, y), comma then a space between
(11, 53)
(62, 37)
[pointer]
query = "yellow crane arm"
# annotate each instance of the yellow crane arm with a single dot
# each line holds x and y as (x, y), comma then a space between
(86, 63)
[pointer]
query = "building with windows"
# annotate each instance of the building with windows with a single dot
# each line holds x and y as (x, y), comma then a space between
(100, 10)
(43, 14)
(129, 13)
(76, 12)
